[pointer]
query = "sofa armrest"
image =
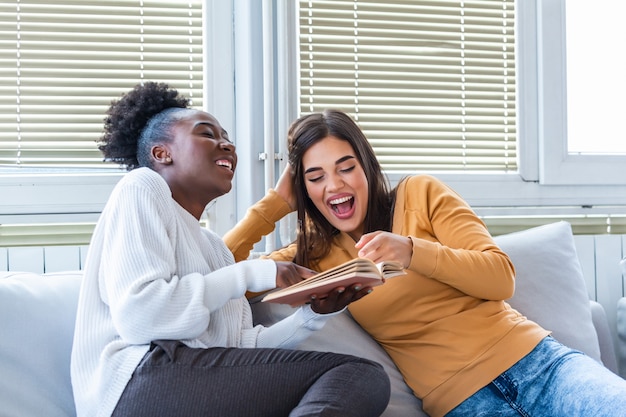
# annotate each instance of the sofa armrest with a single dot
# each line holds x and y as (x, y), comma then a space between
(37, 314)
(607, 347)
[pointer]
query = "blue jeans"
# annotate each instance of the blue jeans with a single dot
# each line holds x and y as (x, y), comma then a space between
(552, 380)
(176, 380)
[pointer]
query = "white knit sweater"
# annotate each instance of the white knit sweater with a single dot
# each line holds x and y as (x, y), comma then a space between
(153, 272)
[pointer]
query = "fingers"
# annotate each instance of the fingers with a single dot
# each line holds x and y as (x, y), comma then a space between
(385, 246)
(288, 273)
(284, 187)
(338, 298)
(304, 272)
(365, 239)
(369, 244)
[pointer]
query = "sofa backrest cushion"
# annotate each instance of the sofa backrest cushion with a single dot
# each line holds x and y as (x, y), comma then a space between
(37, 314)
(550, 287)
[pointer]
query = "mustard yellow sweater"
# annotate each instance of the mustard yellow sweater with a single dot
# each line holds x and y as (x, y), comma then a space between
(445, 323)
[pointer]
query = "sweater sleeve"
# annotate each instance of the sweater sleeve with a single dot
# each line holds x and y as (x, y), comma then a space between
(290, 331)
(146, 295)
(452, 244)
(260, 220)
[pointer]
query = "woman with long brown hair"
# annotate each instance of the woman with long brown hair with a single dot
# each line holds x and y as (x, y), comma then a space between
(462, 349)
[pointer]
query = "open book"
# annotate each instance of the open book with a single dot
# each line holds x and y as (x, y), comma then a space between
(358, 270)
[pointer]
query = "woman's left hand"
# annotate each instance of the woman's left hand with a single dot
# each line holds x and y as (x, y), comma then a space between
(386, 246)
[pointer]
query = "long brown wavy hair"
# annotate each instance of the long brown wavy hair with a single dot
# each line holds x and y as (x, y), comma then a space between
(315, 233)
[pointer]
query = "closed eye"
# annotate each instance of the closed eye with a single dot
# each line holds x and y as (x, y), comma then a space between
(211, 135)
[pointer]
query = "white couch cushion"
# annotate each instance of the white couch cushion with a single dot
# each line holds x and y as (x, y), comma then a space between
(549, 286)
(37, 315)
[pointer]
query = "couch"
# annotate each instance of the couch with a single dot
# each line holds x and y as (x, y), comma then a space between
(37, 314)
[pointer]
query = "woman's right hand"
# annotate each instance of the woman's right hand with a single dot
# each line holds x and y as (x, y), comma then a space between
(288, 273)
(284, 187)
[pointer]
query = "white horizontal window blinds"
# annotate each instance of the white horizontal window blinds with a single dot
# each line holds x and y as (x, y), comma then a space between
(61, 64)
(432, 83)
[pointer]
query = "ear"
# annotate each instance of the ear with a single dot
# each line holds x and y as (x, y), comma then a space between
(161, 154)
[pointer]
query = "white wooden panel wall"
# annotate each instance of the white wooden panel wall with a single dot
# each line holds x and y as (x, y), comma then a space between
(599, 257)
(4, 259)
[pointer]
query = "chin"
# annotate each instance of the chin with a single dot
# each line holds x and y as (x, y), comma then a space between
(345, 229)
(221, 191)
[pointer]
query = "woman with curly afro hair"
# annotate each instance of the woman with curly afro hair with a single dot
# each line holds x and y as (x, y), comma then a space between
(163, 325)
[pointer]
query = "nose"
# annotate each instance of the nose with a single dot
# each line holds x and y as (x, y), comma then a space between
(227, 145)
(335, 182)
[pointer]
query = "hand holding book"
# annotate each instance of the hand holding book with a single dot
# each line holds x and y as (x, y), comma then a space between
(358, 270)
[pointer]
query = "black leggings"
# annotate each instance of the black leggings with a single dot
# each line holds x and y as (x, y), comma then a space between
(175, 380)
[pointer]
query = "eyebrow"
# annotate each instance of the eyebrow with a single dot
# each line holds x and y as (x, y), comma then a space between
(211, 125)
(337, 162)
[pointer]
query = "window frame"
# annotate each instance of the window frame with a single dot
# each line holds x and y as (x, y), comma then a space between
(548, 179)
(558, 166)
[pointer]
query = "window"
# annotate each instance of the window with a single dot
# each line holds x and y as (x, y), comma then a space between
(595, 78)
(515, 59)
(519, 169)
(559, 165)
(62, 64)
(432, 83)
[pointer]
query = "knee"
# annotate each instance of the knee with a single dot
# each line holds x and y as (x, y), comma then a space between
(379, 374)
(376, 385)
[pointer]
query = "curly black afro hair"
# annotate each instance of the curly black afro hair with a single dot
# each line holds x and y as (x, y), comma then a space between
(127, 117)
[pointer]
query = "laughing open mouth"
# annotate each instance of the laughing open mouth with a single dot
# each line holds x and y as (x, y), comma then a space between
(342, 205)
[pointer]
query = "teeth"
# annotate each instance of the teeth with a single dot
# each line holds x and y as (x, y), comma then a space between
(340, 200)
(224, 163)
